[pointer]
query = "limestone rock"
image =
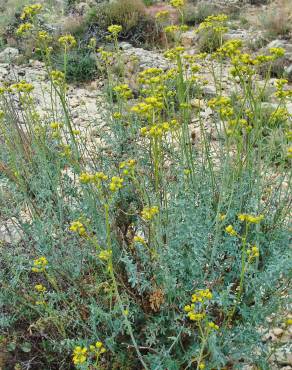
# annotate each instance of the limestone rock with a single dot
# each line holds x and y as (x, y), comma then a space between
(9, 55)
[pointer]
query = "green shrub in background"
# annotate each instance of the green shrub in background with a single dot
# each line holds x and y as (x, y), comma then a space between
(81, 65)
(138, 27)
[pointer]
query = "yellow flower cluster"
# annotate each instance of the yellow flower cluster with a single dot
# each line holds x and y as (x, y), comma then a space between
(221, 101)
(230, 230)
(40, 288)
(281, 93)
(128, 166)
(56, 125)
(148, 213)
(253, 253)
(162, 15)
(79, 355)
(44, 36)
(212, 325)
(30, 11)
(115, 29)
(238, 123)
(158, 130)
(105, 255)
(78, 227)
(123, 91)
(196, 310)
(22, 86)
(68, 41)
(97, 348)
(39, 264)
(105, 55)
(86, 177)
(202, 295)
(58, 77)
(229, 48)
(250, 218)
(279, 115)
(214, 23)
(139, 239)
(116, 183)
(24, 28)
(173, 53)
(176, 28)
(148, 106)
(177, 3)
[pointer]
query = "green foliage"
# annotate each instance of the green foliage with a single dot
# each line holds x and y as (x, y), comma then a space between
(194, 15)
(138, 27)
(81, 65)
(118, 236)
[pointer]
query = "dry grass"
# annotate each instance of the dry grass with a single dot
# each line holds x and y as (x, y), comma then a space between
(277, 20)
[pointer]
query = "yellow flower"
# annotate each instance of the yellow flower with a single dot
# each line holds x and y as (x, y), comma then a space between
(78, 227)
(177, 3)
(85, 178)
(44, 36)
(100, 176)
(79, 355)
(148, 213)
(105, 255)
(40, 288)
(68, 41)
(123, 91)
(196, 316)
(24, 28)
(250, 218)
(116, 183)
(22, 86)
(230, 230)
(253, 253)
(163, 14)
(39, 264)
(212, 325)
(58, 77)
(139, 239)
(55, 125)
(222, 216)
(30, 11)
(202, 365)
(115, 29)
(117, 115)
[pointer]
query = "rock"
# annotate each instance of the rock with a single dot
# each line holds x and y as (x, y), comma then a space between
(9, 55)
(288, 72)
(189, 38)
(125, 46)
(283, 356)
(278, 332)
(82, 8)
(197, 103)
(236, 35)
(209, 91)
(10, 233)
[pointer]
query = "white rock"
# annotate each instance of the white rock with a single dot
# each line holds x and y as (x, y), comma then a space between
(9, 55)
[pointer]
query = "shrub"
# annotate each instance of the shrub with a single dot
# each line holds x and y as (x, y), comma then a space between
(277, 20)
(126, 13)
(194, 15)
(81, 65)
(138, 27)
